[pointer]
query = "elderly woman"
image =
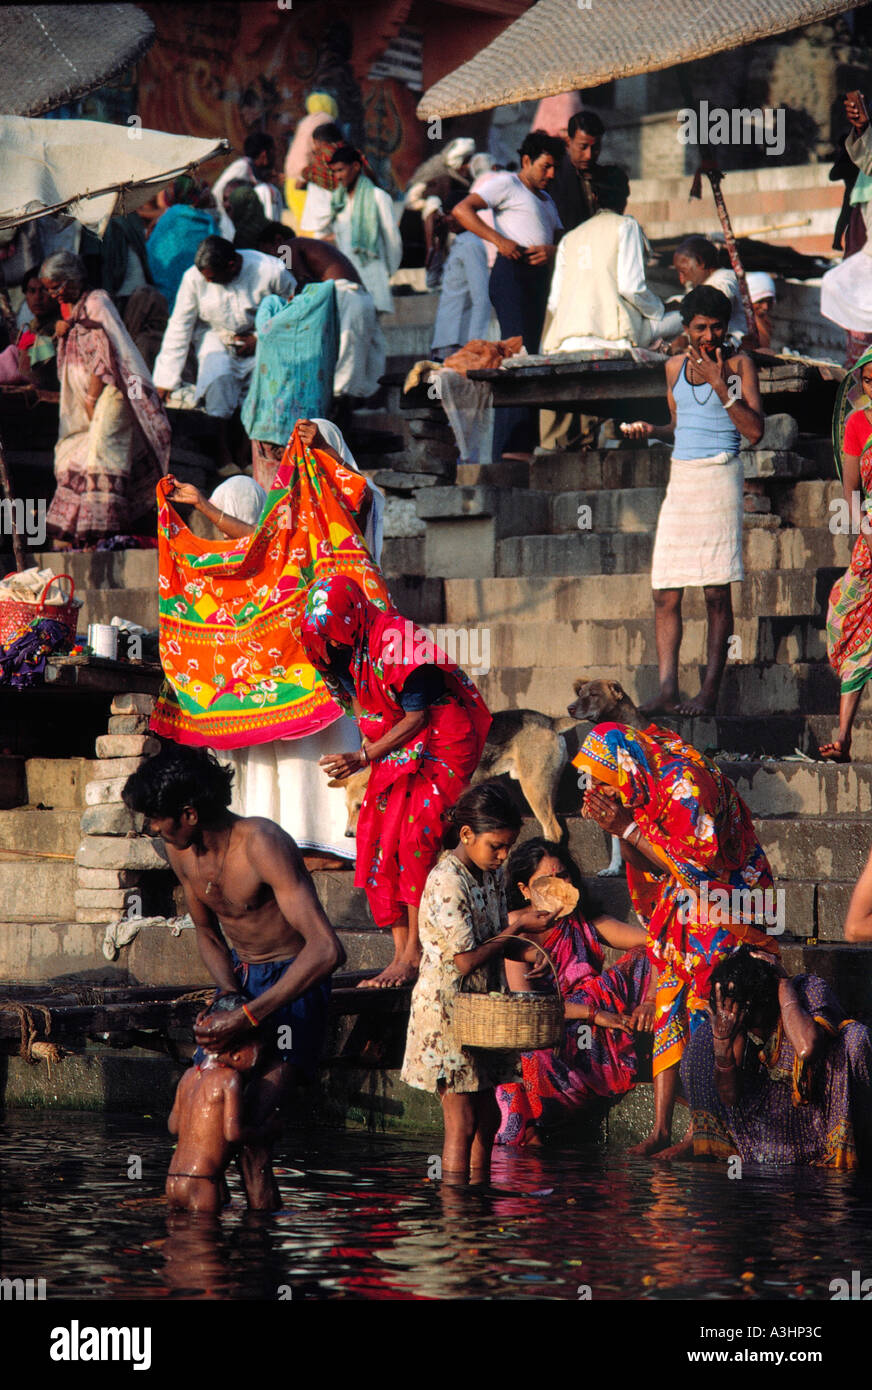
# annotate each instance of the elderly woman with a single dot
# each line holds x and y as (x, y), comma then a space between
(697, 876)
(777, 1074)
(114, 439)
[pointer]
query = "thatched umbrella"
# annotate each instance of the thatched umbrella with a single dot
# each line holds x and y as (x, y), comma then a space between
(52, 54)
(569, 45)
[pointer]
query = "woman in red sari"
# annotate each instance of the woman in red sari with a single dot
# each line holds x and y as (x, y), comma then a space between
(423, 727)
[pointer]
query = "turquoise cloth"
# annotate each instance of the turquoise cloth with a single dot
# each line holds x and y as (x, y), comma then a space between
(173, 243)
(365, 224)
(297, 347)
(862, 190)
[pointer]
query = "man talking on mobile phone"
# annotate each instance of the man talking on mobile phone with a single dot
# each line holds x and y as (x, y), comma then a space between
(714, 398)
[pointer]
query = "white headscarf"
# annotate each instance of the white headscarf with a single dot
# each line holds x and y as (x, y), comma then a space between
(374, 533)
(240, 497)
(760, 285)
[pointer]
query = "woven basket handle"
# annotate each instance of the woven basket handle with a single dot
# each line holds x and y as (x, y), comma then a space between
(537, 947)
(54, 579)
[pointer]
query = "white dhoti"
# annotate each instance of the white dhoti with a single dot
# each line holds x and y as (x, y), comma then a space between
(699, 529)
(222, 377)
(362, 348)
(846, 293)
(283, 782)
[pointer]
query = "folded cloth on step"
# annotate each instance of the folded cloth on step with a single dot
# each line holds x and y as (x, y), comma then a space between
(23, 659)
(126, 929)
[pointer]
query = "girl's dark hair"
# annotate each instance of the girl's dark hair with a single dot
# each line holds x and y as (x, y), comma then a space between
(751, 982)
(486, 806)
(178, 777)
(524, 861)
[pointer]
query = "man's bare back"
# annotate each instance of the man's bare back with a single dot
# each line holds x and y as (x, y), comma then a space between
(316, 261)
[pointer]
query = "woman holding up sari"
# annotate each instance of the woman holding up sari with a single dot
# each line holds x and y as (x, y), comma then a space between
(114, 440)
(423, 725)
(693, 861)
(849, 617)
(598, 1067)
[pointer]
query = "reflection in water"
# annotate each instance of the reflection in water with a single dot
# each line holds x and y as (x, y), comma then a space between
(362, 1221)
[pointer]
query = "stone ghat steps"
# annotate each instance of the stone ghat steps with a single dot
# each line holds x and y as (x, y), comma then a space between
(595, 642)
(563, 470)
(608, 552)
(546, 599)
(756, 690)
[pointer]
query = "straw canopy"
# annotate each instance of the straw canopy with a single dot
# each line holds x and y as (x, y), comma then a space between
(567, 45)
(51, 54)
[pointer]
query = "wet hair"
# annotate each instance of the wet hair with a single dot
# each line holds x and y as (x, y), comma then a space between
(215, 253)
(65, 267)
(699, 248)
(486, 806)
(705, 300)
(226, 1004)
(588, 121)
(611, 186)
(328, 134)
(346, 154)
(257, 143)
(523, 862)
(178, 777)
(539, 142)
(751, 982)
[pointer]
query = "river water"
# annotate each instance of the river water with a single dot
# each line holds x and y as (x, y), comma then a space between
(362, 1220)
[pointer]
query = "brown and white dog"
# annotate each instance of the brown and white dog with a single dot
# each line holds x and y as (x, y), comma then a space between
(524, 744)
(597, 702)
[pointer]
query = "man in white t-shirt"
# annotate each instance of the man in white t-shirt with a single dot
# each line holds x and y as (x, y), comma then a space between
(525, 227)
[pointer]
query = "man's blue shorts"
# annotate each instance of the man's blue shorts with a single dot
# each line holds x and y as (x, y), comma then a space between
(305, 1016)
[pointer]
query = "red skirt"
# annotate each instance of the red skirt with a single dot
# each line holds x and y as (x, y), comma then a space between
(399, 831)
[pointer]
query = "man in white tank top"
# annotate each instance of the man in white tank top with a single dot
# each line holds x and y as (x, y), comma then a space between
(714, 398)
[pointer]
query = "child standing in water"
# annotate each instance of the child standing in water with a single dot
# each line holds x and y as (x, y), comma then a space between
(465, 931)
(207, 1116)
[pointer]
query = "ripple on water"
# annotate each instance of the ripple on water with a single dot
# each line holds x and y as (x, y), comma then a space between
(552, 1224)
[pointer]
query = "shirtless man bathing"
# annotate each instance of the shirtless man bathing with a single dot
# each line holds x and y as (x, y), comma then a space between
(261, 932)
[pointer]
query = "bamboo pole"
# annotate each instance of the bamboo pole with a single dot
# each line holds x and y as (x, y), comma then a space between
(714, 176)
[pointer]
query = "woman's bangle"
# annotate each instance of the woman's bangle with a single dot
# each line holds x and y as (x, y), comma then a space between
(250, 1016)
(364, 755)
(630, 828)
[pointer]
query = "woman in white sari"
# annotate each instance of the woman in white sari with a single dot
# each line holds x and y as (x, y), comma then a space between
(114, 440)
(282, 780)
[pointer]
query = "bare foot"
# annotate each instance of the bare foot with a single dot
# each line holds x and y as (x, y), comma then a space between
(650, 1146)
(395, 975)
(839, 751)
(682, 1150)
(315, 861)
(703, 704)
(666, 702)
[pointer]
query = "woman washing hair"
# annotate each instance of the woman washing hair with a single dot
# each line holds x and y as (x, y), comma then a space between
(613, 1004)
(465, 931)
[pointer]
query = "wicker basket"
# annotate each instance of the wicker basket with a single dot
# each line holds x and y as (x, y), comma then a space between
(510, 1022)
(15, 613)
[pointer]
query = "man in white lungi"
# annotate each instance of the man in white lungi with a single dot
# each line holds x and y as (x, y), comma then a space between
(713, 400)
(215, 306)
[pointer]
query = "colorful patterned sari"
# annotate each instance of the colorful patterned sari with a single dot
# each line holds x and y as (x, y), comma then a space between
(699, 912)
(557, 1083)
(399, 829)
(849, 615)
(230, 611)
(787, 1110)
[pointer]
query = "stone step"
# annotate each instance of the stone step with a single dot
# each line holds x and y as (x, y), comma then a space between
(757, 690)
(542, 598)
(590, 552)
(32, 830)
(630, 641)
(102, 605)
(59, 783)
(33, 888)
(782, 788)
(823, 727)
(104, 569)
(803, 505)
(631, 468)
(820, 849)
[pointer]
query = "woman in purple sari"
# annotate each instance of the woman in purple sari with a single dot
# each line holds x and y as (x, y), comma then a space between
(777, 1074)
(603, 1008)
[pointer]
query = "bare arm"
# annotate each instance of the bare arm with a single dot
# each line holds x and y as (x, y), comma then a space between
(640, 429)
(412, 722)
(188, 495)
(858, 921)
(804, 1035)
(466, 213)
(620, 934)
(741, 398)
(524, 919)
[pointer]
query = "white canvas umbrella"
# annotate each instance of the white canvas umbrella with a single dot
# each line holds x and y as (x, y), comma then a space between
(89, 169)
